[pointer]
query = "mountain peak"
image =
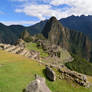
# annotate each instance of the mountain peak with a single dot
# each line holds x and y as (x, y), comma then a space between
(54, 30)
(52, 26)
(53, 18)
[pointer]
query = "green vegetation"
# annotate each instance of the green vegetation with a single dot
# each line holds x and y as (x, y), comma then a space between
(33, 46)
(17, 71)
(80, 65)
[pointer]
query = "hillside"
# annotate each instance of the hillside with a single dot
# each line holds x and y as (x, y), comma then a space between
(6, 35)
(73, 41)
(36, 28)
(80, 65)
(79, 23)
(18, 71)
(9, 34)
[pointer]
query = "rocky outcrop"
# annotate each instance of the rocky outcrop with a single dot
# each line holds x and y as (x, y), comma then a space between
(74, 76)
(20, 50)
(38, 85)
(50, 74)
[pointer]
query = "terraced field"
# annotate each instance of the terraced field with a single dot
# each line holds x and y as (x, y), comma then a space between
(33, 46)
(17, 71)
(65, 55)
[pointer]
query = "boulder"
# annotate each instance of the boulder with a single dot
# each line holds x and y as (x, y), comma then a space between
(50, 74)
(38, 85)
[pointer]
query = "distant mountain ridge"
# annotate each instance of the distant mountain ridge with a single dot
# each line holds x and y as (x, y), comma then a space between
(9, 34)
(79, 23)
(75, 42)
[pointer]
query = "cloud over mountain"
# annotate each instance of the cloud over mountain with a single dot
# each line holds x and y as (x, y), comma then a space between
(43, 9)
(78, 7)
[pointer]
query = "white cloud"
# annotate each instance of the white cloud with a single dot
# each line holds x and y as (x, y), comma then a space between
(19, 22)
(41, 11)
(78, 6)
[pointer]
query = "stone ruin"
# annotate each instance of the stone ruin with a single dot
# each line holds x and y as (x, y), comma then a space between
(18, 49)
(56, 54)
(35, 55)
(51, 49)
(38, 85)
(79, 78)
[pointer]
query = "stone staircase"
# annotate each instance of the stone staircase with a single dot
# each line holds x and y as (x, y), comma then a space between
(20, 50)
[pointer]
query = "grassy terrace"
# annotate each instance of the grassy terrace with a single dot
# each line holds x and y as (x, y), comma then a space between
(17, 71)
(33, 46)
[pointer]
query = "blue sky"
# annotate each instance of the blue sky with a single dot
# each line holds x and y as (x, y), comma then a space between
(29, 12)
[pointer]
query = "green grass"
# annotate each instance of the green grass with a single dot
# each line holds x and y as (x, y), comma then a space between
(17, 71)
(33, 46)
